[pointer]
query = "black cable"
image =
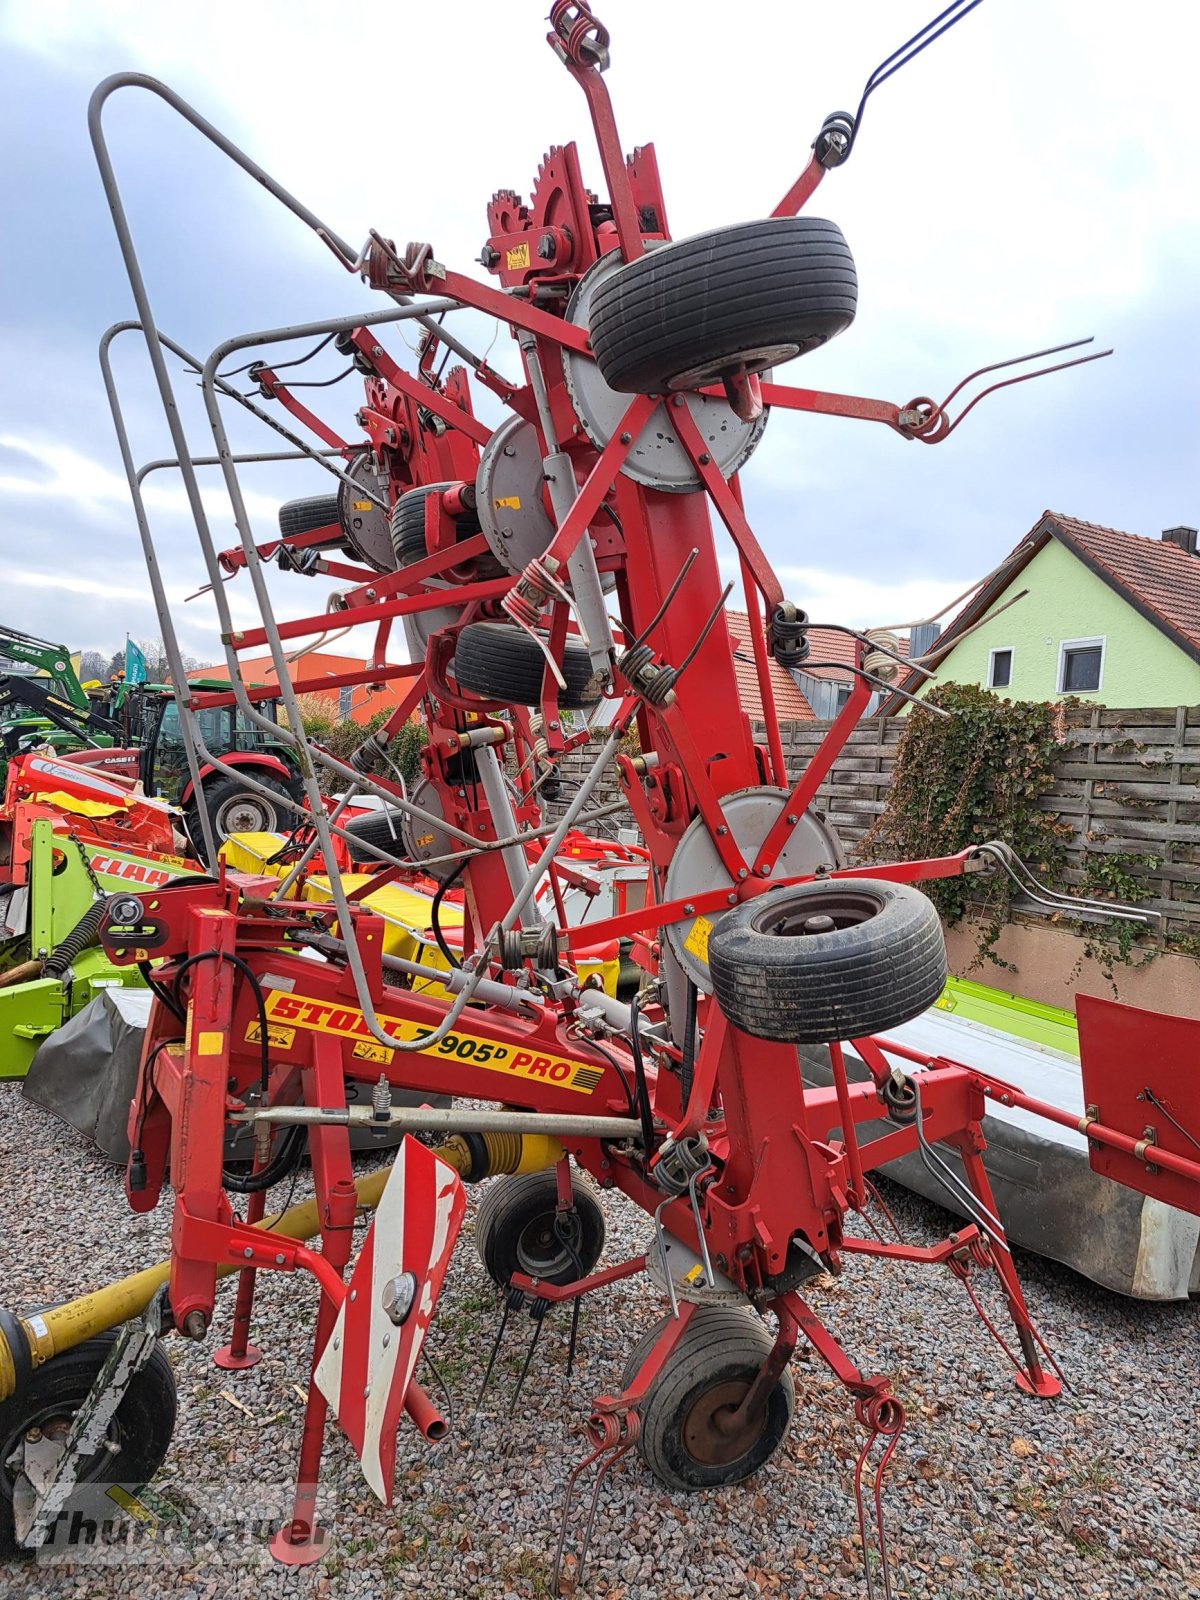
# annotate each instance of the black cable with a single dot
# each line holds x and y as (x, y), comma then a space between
(435, 919)
(688, 1063)
(322, 383)
(639, 1073)
(256, 987)
(282, 1164)
(616, 1066)
(161, 992)
(275, 366)
(137, 1161)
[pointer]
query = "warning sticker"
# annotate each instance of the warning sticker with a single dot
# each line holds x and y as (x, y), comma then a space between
(492, 1054)
(277, 1035)
(510, 502)
(517, 259)
(697, 940)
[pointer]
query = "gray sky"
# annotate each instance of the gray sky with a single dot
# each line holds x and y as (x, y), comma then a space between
(1030, 179)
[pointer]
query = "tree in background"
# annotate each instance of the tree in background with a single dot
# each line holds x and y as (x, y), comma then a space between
(341, 737)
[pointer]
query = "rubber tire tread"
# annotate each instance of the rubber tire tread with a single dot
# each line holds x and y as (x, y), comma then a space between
(145, 1421)
(501, 662)
(373, 828)
(408, 531)
(720, 1343)
(302, 516)
(775, 281)
(818, 988)
(509, 1205)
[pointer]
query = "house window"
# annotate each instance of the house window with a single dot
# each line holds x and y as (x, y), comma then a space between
(1000, 669)
(842, 695)
(1080, 666)
(345, 702)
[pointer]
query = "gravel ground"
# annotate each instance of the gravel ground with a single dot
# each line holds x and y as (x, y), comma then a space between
(1096, 1495)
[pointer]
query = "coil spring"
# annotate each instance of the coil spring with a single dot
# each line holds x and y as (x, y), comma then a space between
(536, 586)
(540, 749)
(679, 1163)
(81, 937)
(786, 634)
(539, 945)
(368, 752)
(655, 684)
(877, 662)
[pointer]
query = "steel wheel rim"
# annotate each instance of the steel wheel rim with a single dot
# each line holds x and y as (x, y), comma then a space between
(704, 1441)
(245, 814)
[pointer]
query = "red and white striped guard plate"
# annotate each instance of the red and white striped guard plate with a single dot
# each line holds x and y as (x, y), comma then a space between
(368, 1362)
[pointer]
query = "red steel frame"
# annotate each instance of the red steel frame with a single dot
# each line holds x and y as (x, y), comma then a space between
(787, 1161)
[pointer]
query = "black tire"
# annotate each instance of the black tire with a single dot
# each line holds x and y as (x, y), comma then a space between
(380, 828)
(821, 961)
(514, 1228)
(231, 803)
(709, 1370)
(501, 662)
(141, 1430)
(408, 531)
(754, 295)
(318, 511)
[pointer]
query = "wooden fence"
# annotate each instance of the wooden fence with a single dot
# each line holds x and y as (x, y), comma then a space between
(1128, 782)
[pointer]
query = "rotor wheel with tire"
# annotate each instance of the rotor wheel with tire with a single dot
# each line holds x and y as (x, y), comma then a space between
(408, 531)
(315, 511)
(136, 1442)
(234, 807)
(500, 661)
(380, 828)
(698, 1388)
(745, 297)
(518, 1228)
(837, 959)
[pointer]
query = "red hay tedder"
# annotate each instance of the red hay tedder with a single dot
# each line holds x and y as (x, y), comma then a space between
(563, 561)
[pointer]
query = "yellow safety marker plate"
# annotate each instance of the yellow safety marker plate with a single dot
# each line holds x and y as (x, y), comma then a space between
(697, 939)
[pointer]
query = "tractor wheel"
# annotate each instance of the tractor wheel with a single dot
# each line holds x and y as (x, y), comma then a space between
(501, 662)
(706, 1376)
(515, 1228)
(823, 961)
(235, 807)
(380, 828)
(408, 531)
(752, 295)
(132, 1453)
(318, 511)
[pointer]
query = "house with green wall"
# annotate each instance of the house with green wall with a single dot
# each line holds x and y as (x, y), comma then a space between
(1084, 611)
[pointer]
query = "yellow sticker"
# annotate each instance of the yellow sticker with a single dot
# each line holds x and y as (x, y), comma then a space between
(362, 505)
(697, 940)
(517, 259)
(210, 1044)
(511, 502)
(365, 1050)
(277, 1035)
(425, 838)
(471, 1049)
(696, 1272)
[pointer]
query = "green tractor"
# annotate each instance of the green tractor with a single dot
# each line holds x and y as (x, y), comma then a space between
(135, 730)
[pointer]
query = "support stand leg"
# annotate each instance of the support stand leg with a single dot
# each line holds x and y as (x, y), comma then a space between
(239, 1354)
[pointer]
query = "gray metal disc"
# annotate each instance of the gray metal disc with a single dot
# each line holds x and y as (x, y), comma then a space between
(689, 1277)
(422, 840)
(696, 867)
(364, 523)
(657, 460)
(508, 490)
